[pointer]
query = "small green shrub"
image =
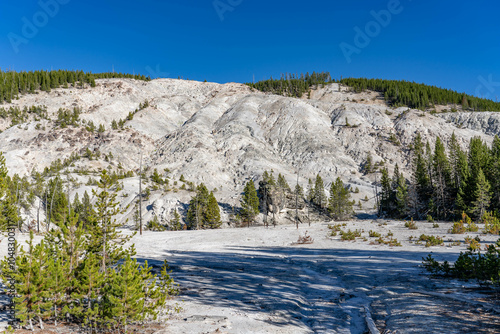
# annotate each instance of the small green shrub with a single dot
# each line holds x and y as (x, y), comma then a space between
(374, 234)
(390, 242)
(474, 243)
(464, 225)
(431, 240)
(411, 225)
(394, 140)
(470, 265)
(335, 229)
(491, 223)
(350, 235)
(154, 225)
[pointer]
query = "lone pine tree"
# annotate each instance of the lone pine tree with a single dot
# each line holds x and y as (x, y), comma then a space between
(249, 203)
(319, 199)
(340, 205)
(481, 195)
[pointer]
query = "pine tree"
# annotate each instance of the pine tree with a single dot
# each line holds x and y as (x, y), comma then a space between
(420, 175)
(175, 224)
(212, 216)
(203, 211)
(442, 178)
(33, 297)
(458, 163)
(481, 195)
(429, 166)
(87, 285)
(123, 295)
(494, 173)
(58, 279)
(57, 201)
(401, 196)
(319, 199)
(478, 159)
(386, 194)
(87, 211)
(282, 183)
(106, 241)
(340, 205)
(310, 191)
(249, 202)
(265, 193)
(299, 191)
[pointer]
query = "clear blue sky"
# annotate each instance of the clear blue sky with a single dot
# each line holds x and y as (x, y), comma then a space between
(451, 44)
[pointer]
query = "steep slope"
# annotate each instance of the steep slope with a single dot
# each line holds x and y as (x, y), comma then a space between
(223, 135)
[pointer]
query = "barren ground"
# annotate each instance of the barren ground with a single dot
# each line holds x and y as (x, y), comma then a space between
(257, 280)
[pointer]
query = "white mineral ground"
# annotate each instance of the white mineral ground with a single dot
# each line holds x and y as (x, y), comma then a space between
(253, 280)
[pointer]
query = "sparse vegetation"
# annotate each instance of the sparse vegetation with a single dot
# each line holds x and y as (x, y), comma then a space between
(411, 225)
(349, 235)
(431, 240)
(491, 223)
(469, 265)
(464, 225)
(305, 239)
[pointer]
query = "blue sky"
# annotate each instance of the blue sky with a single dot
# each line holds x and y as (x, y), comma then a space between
(445, 43)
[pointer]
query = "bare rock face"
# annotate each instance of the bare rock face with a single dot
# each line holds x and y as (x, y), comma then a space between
(224, 135)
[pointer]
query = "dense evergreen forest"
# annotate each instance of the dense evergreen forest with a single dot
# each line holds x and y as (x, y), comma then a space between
(12, 84)
(414, 95)
(396, 92)
(445, 183)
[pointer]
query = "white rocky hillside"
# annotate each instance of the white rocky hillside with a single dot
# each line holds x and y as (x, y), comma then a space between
(223, 135)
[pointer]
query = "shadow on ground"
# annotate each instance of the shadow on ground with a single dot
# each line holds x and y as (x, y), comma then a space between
(325, 290)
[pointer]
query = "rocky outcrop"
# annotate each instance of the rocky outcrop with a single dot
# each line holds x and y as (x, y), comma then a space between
(224, 135)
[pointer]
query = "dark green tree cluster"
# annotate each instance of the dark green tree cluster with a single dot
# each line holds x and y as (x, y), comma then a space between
(446, 181)
(203, 211)
(317, 195)
(67, 117)
(19, 116)
(394, 195)
(339, 205)
(158, 179)
(292, 85)
(12, 83)
(82, 273)
(420, 96)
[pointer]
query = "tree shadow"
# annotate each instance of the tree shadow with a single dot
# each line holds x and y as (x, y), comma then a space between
(323, 290)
